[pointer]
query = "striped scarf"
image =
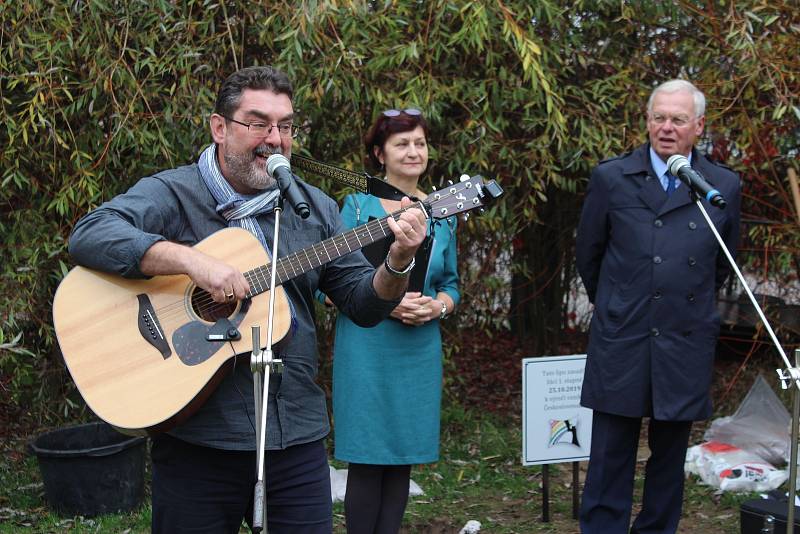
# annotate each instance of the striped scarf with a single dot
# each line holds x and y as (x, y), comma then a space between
(238, 210)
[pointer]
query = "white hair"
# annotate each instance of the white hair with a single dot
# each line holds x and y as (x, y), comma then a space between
(675, 86)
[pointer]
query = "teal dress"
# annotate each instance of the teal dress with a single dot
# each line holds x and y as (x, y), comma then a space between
(387, 380)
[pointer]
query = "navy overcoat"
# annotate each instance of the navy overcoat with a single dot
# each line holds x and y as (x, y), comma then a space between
(651, 267)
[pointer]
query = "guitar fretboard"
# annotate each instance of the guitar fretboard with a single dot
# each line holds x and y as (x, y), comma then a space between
(323, 252)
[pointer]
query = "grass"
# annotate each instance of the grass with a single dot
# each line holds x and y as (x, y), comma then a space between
(23, 506)
(479, 476)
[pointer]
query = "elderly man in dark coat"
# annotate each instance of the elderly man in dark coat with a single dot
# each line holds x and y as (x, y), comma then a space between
(651, 267)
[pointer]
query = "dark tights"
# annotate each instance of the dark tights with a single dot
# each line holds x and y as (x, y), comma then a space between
(376, 498)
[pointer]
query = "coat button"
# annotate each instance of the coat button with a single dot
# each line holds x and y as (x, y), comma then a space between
(657, 260)
(654, 332)
(692, 225)
(692, 261)
(657, 295)
(658, 223)
(690, 297)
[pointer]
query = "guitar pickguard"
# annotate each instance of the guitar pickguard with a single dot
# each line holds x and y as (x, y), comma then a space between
(190, 339)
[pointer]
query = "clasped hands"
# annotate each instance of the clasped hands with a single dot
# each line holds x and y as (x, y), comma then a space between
(417, 309)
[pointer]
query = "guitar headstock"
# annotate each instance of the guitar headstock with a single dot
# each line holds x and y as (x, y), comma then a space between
(471, 192)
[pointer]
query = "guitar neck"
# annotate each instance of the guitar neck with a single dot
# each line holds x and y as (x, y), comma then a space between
(310, 258)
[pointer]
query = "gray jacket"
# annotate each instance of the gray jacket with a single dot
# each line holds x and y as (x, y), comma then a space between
(176, 205)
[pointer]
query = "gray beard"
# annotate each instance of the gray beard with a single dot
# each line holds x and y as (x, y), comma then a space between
(242, 166)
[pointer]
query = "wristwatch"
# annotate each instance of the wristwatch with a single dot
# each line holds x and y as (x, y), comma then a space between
(444, 310)
(394, 272)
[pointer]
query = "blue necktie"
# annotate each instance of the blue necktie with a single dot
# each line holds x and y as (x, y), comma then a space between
(670, 183)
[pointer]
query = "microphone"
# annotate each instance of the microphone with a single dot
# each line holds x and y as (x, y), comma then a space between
(278, 167)
(679, 166)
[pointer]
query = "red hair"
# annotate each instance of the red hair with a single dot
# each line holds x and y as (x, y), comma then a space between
(385, 126)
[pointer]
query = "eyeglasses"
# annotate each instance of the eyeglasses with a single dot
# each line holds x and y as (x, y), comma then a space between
(261, 129)
(414, 112)
(677, 121)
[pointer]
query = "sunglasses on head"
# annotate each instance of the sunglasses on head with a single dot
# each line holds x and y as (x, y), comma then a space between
(396, 112)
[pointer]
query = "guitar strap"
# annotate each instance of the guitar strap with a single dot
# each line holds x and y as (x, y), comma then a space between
(362, 182)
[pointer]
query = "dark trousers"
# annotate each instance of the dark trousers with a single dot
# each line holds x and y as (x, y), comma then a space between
(608, 491)
(204, 490)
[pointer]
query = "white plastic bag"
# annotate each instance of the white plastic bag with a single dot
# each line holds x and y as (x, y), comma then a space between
(760, 425)
(730, 468)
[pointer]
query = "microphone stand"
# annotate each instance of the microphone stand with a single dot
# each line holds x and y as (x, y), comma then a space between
(788, 375)
(260, 361)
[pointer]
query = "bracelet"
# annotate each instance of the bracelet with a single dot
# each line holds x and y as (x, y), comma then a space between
(444, 310)
(394, 272)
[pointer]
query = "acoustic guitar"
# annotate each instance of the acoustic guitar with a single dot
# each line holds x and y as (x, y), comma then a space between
(145, 354)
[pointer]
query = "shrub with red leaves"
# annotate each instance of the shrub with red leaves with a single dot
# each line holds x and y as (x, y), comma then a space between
(485, 372)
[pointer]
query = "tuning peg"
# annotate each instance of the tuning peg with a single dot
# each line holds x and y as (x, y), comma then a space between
(464, 178)
(449, 182)
(434, 188)
(465, 217)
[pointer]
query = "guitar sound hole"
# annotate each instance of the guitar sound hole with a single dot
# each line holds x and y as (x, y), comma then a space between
(208, 310)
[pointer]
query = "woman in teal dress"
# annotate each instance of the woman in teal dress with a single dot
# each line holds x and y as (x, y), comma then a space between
(387, 380)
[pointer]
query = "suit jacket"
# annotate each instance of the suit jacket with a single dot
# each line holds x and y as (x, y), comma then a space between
(651, 267)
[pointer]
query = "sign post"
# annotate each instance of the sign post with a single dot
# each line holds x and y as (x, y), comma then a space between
(555, 427)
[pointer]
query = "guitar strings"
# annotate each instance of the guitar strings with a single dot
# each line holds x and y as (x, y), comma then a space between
(332, 248)
(204, 304)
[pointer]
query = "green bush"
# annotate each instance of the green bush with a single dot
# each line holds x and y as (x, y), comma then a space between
(96, 94)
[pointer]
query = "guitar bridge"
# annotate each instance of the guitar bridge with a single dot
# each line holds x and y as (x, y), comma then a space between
(150, 328)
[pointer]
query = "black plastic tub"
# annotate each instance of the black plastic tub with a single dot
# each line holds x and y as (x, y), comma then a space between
(91, 469)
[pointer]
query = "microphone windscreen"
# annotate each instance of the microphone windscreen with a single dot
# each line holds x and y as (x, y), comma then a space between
(676, 162)
(275, 161)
